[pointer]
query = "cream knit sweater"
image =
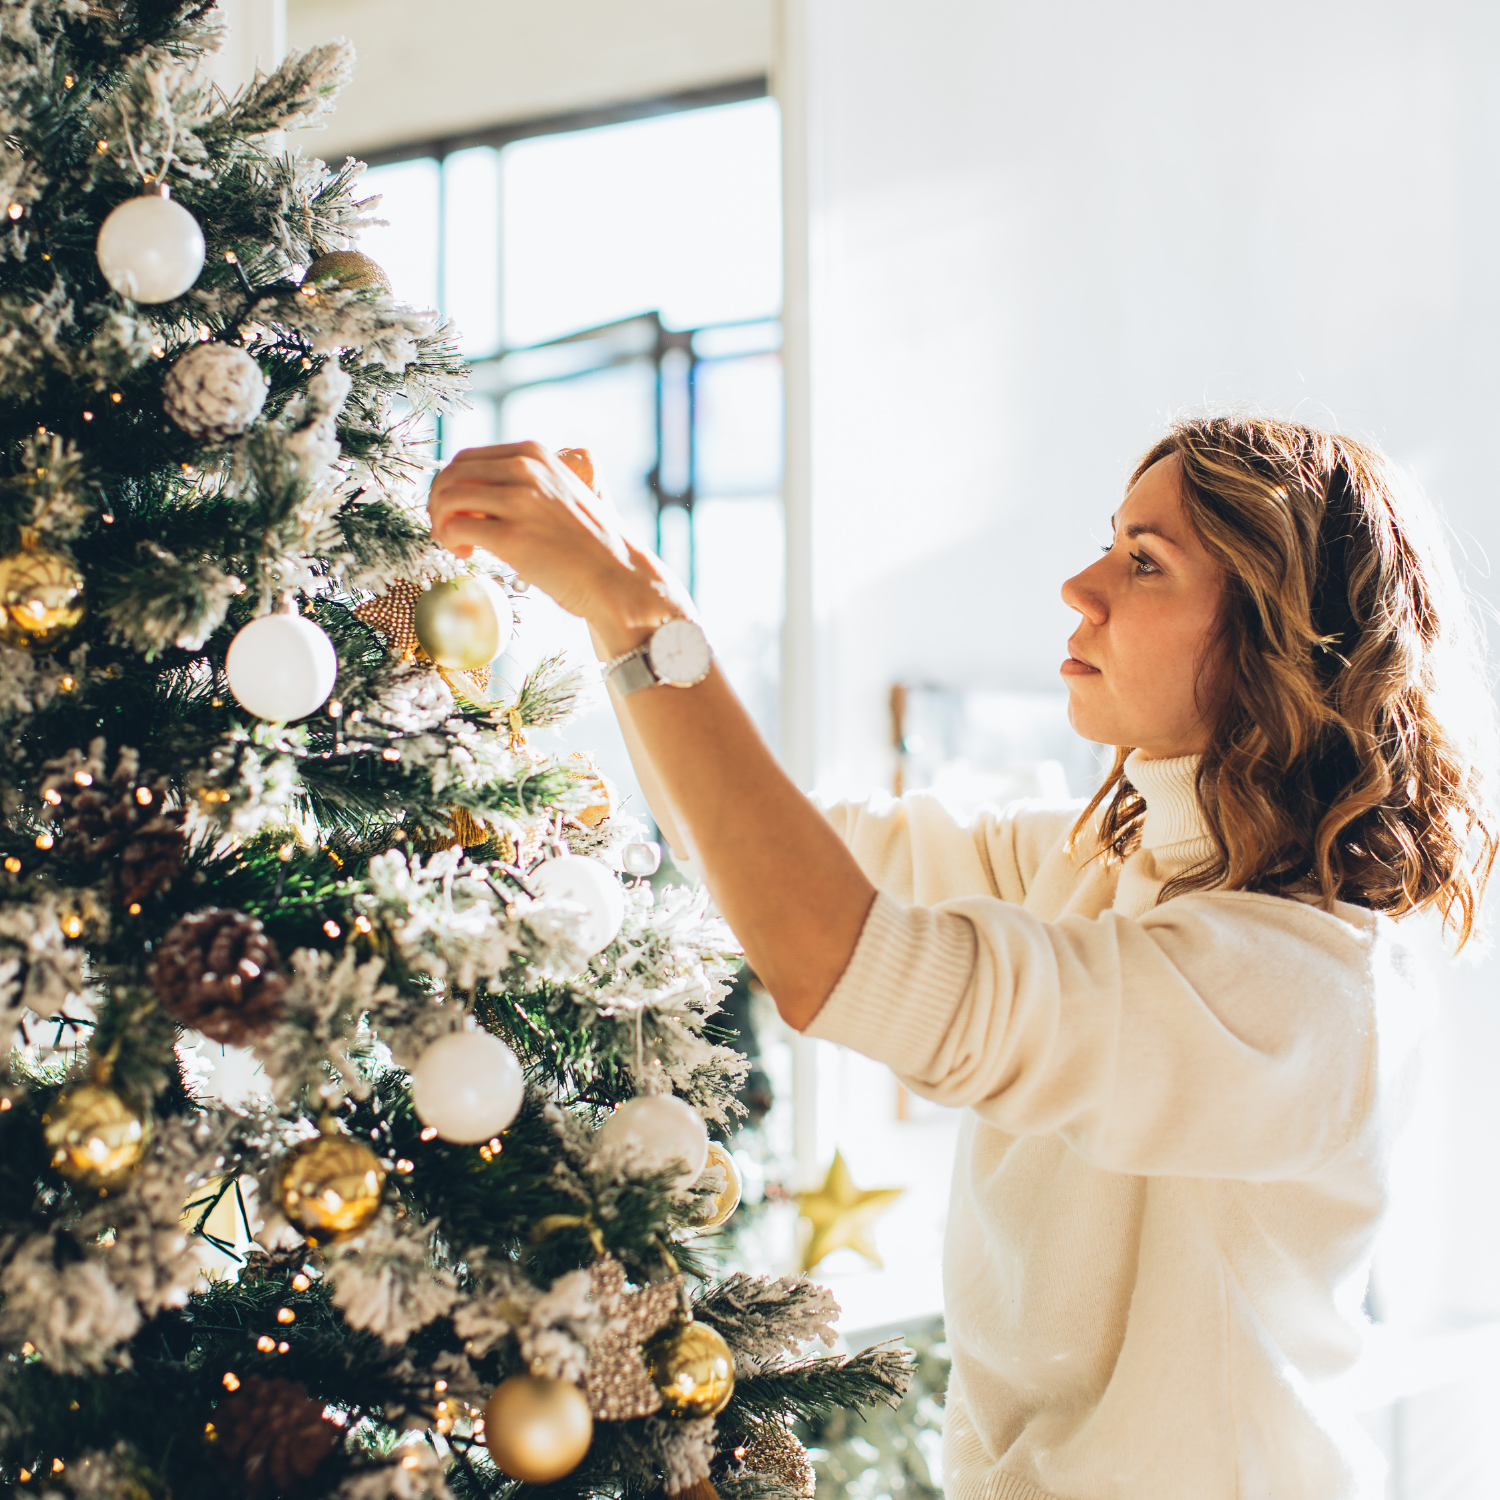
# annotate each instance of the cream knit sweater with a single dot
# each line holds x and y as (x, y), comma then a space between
(1174, 1154)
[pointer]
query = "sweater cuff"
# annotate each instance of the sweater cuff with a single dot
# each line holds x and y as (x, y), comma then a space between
(908, 974)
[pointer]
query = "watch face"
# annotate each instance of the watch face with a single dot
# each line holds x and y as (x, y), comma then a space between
(680, 654)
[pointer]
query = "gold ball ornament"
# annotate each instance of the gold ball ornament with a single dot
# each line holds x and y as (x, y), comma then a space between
(595, 785)
(352, 270)
(463, 624)
(727, 1199)
(537, 1429)
(41, 597)
(693, 1368)
(331, 1187)
(95, 1137)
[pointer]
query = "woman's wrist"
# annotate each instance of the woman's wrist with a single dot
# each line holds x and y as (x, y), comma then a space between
(630, 612)
(631, 624)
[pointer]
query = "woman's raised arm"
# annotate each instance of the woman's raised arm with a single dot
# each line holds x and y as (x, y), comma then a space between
(783, 879)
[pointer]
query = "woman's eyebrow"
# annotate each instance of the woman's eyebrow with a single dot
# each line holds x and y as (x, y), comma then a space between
(1145, 528)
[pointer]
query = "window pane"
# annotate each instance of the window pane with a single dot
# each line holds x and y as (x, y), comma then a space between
(739, 425)
(740, 591)
(471, 248)
(471, 426)
(406, 246)
(680, 214)
(610, 412)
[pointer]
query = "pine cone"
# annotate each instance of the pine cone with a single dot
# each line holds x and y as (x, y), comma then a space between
(214, 392)
(123, 820)
(219, 973)
(272, 1435)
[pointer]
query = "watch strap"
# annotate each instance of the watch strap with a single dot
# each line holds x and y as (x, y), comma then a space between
(631, 672)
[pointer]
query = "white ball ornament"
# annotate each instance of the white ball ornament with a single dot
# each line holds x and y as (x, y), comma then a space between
(467, 1086)
(641, 859)
(586, 883)
(150, 249)
(659, 1130)
(214, 392)
(281, 667)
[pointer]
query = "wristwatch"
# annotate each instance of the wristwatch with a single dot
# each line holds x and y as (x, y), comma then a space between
(677, 655)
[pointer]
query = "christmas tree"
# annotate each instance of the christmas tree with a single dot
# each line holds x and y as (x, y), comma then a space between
(261, 789)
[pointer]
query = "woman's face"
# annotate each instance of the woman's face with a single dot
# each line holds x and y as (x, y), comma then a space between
(1141, 669)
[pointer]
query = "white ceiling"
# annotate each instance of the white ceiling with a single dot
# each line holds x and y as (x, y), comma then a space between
(445, 67)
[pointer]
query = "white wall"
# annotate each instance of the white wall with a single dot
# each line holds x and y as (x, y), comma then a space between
(449, 66)
(1035, 231)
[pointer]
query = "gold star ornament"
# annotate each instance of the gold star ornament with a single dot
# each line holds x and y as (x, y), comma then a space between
(841, 1214)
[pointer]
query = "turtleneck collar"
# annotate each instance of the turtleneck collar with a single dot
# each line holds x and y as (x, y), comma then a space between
(1170, 791)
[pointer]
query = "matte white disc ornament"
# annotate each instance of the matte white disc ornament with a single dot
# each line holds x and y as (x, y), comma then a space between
(467, 1086)
(150, 249)
(659, 1130)
(586, 883)
(281, 667)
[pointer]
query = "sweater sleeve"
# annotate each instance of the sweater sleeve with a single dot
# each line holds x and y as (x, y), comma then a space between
(915, 850)
(1223, 1034)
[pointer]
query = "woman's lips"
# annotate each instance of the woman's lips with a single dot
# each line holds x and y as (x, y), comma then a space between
(1073, 667)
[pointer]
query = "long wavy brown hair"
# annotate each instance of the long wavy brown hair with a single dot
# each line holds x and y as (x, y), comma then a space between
(1351, 753)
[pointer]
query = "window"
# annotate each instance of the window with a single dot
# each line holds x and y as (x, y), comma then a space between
(618, 287)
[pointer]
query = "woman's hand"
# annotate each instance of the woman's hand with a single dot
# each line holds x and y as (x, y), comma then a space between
(788, 887)
(535, 511)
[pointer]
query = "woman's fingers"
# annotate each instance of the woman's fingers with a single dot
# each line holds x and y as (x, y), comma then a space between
(470, 531)
(474, 498)
(581, 462)
(535, 511)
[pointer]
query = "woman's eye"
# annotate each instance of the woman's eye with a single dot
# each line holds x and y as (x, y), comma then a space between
(1143, 563)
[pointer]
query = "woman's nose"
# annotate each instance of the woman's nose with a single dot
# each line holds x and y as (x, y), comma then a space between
(1081, 592)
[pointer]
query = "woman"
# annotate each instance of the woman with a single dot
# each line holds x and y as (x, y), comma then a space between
(1180, 1019)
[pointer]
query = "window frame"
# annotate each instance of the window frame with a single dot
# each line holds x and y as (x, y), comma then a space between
(672, 353)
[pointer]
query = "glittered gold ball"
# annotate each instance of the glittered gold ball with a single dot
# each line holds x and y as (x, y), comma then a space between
(94, 1135)
(331, 1187)
(537, 1429)
(464, 623)
(727, 1199)
(41, 598)
(351, 269)
(693, 1369)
